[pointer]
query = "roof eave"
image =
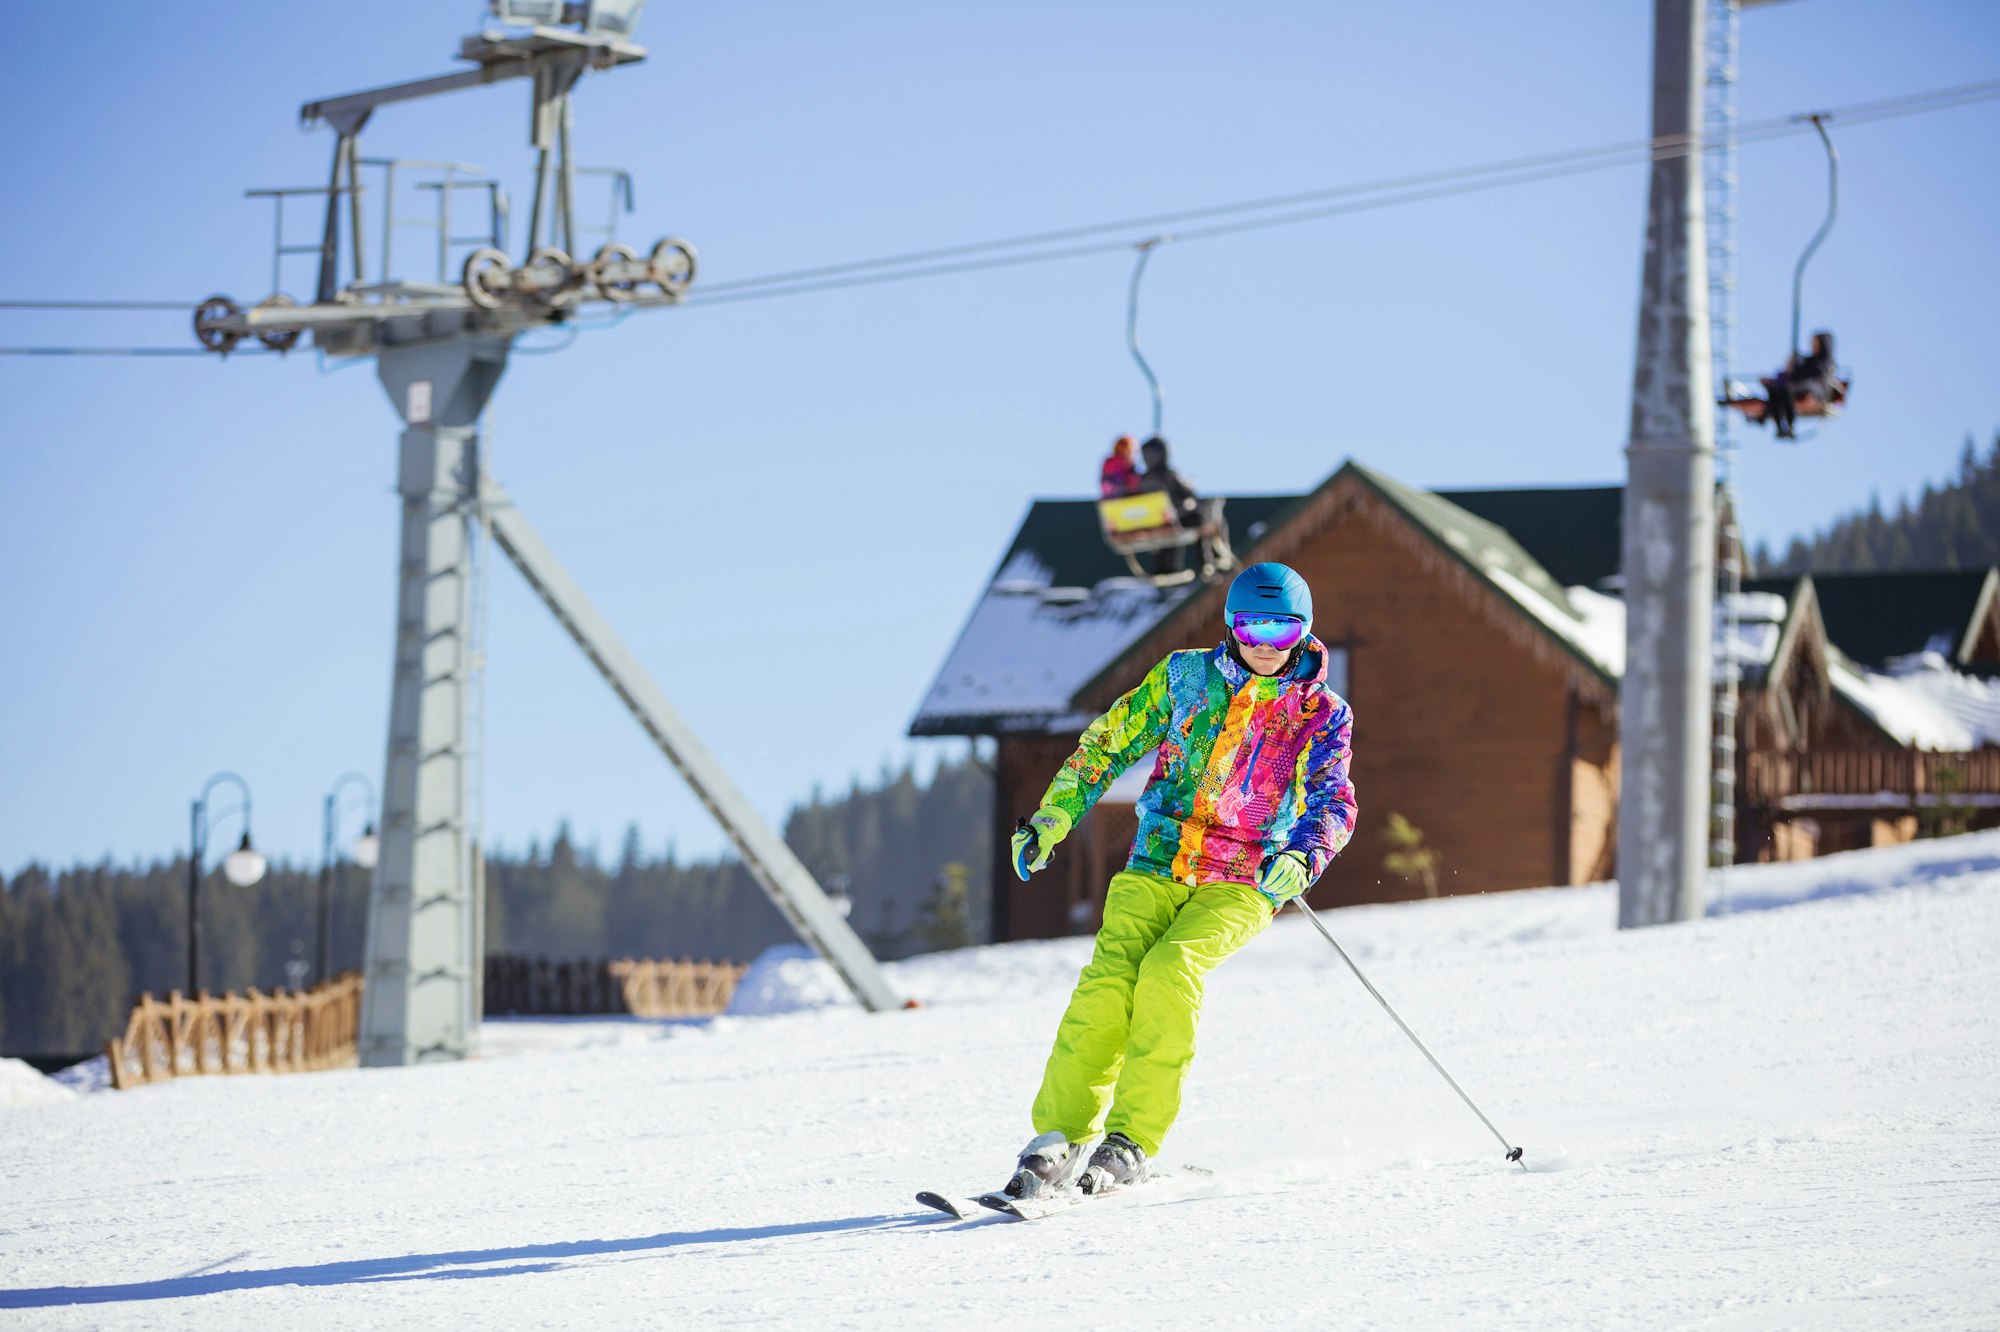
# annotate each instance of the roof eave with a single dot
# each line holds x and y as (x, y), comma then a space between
(989, 723)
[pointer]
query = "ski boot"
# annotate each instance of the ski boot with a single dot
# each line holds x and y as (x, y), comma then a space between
(1045, 1167)
(1117, 1163)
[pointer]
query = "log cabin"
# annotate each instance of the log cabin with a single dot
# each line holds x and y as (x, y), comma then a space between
(1479, 637)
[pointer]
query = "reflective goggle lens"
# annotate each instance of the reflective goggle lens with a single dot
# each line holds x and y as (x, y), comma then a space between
(1272, 631)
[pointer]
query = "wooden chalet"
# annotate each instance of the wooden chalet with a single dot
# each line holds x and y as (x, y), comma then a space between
(1480, 640)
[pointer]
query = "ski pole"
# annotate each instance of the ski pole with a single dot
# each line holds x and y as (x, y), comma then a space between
(1513, 1152)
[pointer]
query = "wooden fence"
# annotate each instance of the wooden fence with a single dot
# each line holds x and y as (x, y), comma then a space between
(290, 1032)
(677, 989)
(540, 986)
(1861, 772)
(252, 1032)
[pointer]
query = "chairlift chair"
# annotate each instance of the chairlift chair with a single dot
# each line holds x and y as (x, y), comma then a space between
(1146, 523)
(1756, 410)
(1735, 392)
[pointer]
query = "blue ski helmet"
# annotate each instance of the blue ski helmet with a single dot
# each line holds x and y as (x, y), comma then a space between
(1271, 588)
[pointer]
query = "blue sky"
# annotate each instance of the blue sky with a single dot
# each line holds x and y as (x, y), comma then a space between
(200, 556)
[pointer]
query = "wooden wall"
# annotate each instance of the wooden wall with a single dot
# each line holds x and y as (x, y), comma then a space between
(1469, 721)
(1796, 709)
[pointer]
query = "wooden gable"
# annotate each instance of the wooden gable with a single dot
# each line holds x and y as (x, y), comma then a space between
(1980, 648)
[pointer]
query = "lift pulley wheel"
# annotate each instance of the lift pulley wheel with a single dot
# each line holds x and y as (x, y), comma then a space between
(487, 278)
(549, 278)
(673, 264)
(278, 339)
(206, 314)
(616, 272)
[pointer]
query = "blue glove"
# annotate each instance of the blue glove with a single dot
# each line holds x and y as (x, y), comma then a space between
(1283, 877)
(1036, 837)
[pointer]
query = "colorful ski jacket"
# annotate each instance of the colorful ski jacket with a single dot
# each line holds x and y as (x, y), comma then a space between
(1249, 766)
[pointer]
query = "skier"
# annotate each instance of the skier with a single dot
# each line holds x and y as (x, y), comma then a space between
(1248, 802)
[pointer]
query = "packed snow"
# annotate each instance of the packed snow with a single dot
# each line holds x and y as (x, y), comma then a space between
(1786, 1115)
(21, 1084)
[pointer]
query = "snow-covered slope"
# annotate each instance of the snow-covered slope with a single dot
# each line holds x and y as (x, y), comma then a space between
(1783, 1117)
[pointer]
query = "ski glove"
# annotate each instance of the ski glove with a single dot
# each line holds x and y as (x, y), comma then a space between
(1283, 878)
(1036, 837)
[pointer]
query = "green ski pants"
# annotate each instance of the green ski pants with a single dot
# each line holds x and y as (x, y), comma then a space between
(1125, 1043)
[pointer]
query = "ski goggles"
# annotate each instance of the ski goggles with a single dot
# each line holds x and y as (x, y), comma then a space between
(1282, 632)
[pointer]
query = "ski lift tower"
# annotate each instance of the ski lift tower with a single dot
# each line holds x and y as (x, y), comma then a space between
(440, 348)
(1665, 714)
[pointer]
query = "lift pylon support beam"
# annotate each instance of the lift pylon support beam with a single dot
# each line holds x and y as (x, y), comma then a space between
(421, 1001)
(789, 883)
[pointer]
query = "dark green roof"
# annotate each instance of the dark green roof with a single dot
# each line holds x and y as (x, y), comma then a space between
(1875, 616)
(1064, 536)
(1572, 531)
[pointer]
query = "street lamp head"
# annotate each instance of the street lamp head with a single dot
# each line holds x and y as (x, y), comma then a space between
(367, 848)
(243, 866)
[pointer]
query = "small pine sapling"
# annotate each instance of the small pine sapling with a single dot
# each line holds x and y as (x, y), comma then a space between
(1411, 859)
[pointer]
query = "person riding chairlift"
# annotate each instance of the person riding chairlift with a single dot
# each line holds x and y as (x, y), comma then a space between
(1186, 504)
(1812, 375)
(1120, 475)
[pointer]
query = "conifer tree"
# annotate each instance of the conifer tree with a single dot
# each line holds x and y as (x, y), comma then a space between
(77, 947)
(1953, 526)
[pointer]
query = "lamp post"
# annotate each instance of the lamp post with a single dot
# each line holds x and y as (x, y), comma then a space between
(242, 867)
(364, 851)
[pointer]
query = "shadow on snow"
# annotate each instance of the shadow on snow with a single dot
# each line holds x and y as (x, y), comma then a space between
(1731, 900)
(419, 1266)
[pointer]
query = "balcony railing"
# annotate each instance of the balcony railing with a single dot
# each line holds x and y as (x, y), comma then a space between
(1891, 775)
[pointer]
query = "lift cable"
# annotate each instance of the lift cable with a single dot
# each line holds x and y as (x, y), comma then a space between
(1042, 247)
(125, 351)
(1658, 149)
(1408, 190)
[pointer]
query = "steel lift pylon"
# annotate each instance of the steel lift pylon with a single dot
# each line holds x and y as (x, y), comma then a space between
(440, 350)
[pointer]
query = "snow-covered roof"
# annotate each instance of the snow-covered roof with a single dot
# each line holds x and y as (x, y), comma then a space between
(1923, 702)
(1748, 638)
(1059, 609)
(1031, 644)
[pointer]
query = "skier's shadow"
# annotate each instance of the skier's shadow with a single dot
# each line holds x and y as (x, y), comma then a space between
(423, 1266)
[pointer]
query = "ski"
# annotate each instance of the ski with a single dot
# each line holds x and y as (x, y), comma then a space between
(964, 1209)
(1034, 1209)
